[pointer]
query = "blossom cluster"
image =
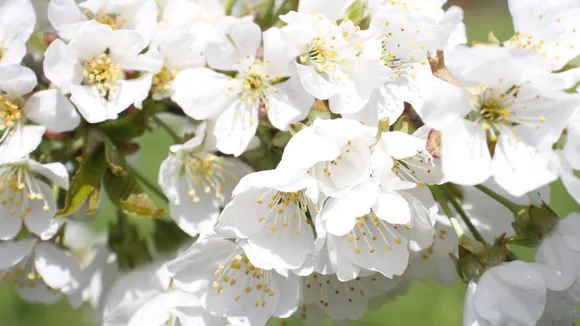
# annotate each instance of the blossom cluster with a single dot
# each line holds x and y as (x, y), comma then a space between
(326, 156)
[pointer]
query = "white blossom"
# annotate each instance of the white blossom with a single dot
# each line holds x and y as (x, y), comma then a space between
(67, 16)
(235, 102)
(92, 68)
(230, 285)
(198, 183)
(17, 21)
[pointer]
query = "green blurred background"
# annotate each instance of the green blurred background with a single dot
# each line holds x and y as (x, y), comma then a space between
(426, 304)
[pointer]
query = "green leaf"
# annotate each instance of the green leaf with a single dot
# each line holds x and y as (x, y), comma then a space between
(115, 159)
(130, 126)
(86, 183)
(128, 195)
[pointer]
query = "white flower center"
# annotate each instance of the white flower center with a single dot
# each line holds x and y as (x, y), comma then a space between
(407, 168)
(102, 72)
(240, 278)
(114, 20)
(162, 80)
(372, 233)
(208, 175)
(322, 55)
(287, 209)
(255, 82)
(19, 189)
(10, 113)
(492, 111)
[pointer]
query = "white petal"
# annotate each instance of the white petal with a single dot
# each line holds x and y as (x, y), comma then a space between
(16, 80)
(160, 309)
(333, 10)
(201, 92)
(55, 172)
(91, 104)
(64, 16)
(465, 156)
(58, 269)
(53, 110)
(444, 103)
(314, 84)
(242, 42)
(11, 253)
(393, 208)
(38, 220)
(23, 142)
(290, 103)
(10, 224)
(306, 148)
(340, 214)
(60, 67)
(519, 168)
(235, 128)
(276, 57)
(169, 173)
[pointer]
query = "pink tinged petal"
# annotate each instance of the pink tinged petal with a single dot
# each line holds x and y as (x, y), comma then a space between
(314, 83)
(23, 142)
(16, 80)
(61, 67)
(393, 208)
(201, 92)
(12, 253)
(306, 148)
(64, 15)
(519, 168)
(55, 172)
(53, 110)
(235, 128)
(58, 268)
(465, 156)
(340, 214)
(288, 103)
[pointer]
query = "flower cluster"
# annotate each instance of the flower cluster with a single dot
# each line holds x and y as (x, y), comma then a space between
(326, 155)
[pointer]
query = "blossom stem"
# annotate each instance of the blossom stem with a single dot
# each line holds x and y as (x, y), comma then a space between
(167, 129)
(452, 219)
(463, 215)
(149, 184)
(514, 208)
